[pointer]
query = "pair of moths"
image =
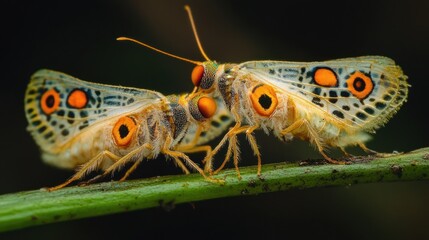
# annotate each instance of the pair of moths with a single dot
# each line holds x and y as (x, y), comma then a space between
(333, 103)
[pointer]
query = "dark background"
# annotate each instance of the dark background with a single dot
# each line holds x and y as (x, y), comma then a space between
(78, 38)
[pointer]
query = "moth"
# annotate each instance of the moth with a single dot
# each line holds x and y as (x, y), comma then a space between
(89, 126)
(336, 103)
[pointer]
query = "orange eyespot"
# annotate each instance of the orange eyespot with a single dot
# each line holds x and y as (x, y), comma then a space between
(197, 75)
(123, 131)
(360, 85)
(77, 99)
(264, 100)
(50, 101)
(206, 106)
(325, 77)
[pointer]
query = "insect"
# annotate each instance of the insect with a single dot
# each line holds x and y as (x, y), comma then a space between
(333, 103)
(94, 126)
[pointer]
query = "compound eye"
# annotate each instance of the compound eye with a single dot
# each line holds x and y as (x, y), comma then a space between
(197, 75)
(207, 106)
(50, 101)
(202, 108)
(264, 100)
(124, 130)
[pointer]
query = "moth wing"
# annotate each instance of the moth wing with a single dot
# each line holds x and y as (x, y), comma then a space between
(384, 87)
(60, 107)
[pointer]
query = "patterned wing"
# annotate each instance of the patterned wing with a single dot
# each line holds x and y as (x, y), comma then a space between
(60, 107)
(362, 92)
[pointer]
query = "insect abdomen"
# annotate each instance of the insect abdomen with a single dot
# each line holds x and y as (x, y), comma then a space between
(326, 129)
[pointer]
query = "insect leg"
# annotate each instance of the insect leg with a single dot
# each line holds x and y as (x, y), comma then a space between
(366, 149)
(180, 164)
(227, 157)
(86, 167)
(205, 148)
(192, 148)
(195, 140)
(252, 141)
(233, 131)
(233, 148)
(130, 170)
(126, 175)
(177, 155)
(231, 136)
(208, 159)
(121, 161)
(345, 152)
(233, 144)
(370, 151)
(176, 158)
(313, 136)
(292, 127)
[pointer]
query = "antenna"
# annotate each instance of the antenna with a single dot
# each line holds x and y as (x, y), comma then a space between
(160, 51)
(194, 29)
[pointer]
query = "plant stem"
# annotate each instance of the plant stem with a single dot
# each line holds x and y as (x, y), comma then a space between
(24, 209)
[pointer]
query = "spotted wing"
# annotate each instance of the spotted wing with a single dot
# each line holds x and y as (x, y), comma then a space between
(59, 107)
(361, 92)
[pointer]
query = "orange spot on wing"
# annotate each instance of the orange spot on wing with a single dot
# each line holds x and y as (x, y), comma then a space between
(77, 99)
(50, 101)
(360, 85)
(325, 77)
(123, 131)
(264, 100)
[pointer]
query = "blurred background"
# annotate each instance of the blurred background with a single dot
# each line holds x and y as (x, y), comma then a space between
(78, 38)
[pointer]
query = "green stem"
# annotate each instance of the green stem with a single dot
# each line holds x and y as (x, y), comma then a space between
(24, 209)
